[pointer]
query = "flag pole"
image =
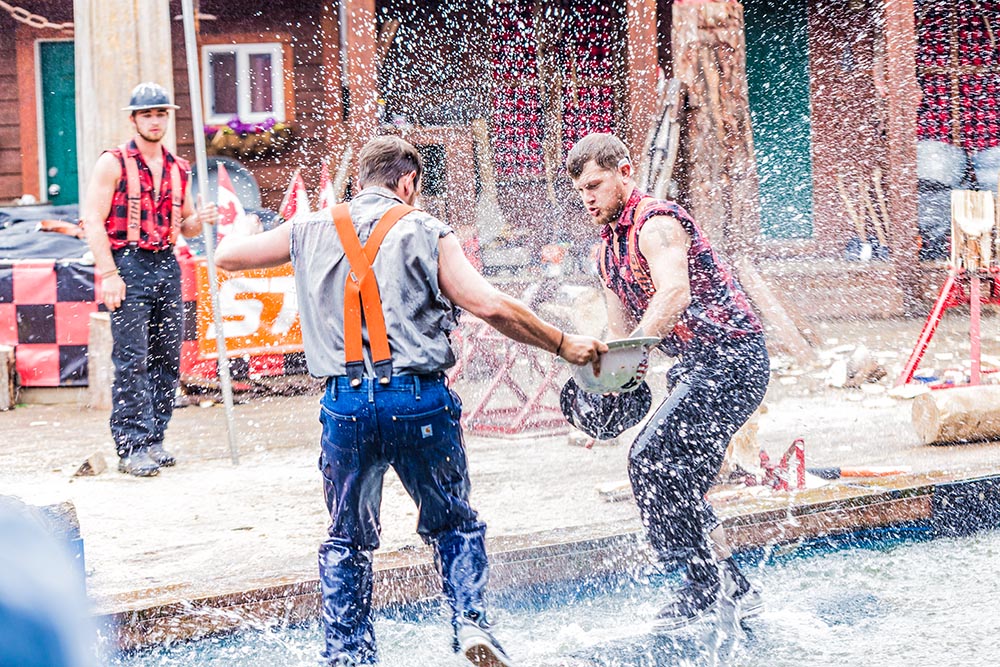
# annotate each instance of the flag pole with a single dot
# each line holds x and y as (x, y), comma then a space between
(201, 164)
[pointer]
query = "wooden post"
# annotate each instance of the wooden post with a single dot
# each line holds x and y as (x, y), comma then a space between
(333, 103)
(118, 44)
(641, 64)
(357, 25)
(709, 51)
(903, 98)
(8, 395)
(100, 371)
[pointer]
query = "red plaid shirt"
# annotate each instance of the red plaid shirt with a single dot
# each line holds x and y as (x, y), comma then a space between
(154, 226)
(719, 309)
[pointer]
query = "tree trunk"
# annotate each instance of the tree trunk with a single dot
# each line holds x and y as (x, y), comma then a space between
(118, 44)
(721, 191)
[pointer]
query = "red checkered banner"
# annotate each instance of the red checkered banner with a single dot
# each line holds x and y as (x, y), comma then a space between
(958, 66)
(45, 309)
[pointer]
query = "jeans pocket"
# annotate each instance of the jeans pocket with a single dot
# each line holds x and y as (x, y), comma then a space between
(424, 429)
(341, 449)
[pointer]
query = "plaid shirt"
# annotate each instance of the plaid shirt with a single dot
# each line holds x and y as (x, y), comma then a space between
(719, 310)
(154, 227)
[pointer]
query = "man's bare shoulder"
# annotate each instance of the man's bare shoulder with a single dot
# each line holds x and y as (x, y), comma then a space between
(663, 231)
(107, 163)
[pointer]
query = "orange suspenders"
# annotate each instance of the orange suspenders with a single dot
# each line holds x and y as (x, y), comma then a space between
(361, 293)
(134, 196)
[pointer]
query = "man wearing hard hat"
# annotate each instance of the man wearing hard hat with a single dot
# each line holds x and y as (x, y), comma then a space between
(663, 280)
(136, 204)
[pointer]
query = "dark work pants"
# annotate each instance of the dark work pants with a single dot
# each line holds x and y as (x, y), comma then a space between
(411, 424)
(147, 330)
(679, 452)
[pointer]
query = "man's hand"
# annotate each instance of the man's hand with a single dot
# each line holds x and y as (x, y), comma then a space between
(248, 225)
(581, 350)
(112, 291)
(208, 214)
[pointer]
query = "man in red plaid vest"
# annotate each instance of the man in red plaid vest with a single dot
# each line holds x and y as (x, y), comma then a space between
(137, 202)
(663, 279)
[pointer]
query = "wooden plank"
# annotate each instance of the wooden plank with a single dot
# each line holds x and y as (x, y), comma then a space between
(903, 98)
(10, 161)
(8, 88)
(8, 390)
(781, 327)
(642, 72)
(10, 187)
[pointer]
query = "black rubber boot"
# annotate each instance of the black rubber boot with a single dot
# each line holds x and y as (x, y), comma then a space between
(697, 598)
(163, 458)
(138, 464)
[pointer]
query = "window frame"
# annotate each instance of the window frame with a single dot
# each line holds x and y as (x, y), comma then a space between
(243, 51)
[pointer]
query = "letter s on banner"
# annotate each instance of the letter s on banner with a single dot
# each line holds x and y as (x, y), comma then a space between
(259, 312)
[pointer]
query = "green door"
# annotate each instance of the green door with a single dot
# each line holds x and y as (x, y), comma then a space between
(778, 79)
(58, 92)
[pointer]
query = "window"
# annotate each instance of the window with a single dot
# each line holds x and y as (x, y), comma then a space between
(244, 81)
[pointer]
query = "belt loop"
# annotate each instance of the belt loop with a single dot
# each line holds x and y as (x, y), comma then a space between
(333, 388)
(371, 390)
(416, 387)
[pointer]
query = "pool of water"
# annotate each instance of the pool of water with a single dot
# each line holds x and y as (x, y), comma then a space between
(872, 598)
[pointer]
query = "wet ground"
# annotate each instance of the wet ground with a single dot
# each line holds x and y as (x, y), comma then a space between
(207, 525)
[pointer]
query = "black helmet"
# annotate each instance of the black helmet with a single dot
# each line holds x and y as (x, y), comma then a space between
(604, 416)
(149, 95)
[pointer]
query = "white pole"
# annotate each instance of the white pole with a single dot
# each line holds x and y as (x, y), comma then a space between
(201, 164)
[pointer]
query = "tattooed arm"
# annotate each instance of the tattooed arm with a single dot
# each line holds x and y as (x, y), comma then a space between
(664, 244)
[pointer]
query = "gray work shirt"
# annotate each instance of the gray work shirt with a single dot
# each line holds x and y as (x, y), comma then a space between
(418, 318)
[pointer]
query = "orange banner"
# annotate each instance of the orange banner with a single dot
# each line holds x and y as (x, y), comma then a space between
(260, 314)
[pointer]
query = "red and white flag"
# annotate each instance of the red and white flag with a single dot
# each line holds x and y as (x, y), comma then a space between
(326, 196)
(296, 199)
(230, 207)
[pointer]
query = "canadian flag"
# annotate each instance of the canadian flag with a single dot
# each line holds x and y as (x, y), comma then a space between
(230, 208)
(326, 196)
(296, 200)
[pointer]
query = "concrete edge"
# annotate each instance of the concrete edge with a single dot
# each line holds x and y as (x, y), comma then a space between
(558, 555)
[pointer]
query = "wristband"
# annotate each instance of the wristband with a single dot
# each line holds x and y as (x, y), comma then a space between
(562, 336)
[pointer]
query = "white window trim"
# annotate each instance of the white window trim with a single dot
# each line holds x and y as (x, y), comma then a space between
(243, 52)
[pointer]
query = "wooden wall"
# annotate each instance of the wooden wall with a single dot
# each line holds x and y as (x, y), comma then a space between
(10, 149)
(300, 27)
(848, 113)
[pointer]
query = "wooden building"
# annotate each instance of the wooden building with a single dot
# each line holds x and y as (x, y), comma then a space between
(835, 87)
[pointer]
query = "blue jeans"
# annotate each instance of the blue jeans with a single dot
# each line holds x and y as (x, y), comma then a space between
(147, 332)
(411, 424)
(676, 457)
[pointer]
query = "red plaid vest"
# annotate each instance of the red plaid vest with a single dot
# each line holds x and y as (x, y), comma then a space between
(719, 309)
(159, 220)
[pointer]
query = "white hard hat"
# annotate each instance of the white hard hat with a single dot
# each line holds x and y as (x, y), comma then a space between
(623, 367)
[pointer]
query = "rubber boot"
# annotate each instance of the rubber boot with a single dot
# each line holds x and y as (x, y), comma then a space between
(345, 576)
(460, 557)
(695, 599)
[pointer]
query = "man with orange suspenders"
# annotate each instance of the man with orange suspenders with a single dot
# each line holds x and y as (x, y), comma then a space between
(378, 283)
(137, 202)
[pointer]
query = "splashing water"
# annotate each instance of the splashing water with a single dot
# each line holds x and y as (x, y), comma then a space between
(901, 601)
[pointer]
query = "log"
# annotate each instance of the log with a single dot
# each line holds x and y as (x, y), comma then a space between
(721, 187)
(962, 414)
(8, 388)
(100, 370)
